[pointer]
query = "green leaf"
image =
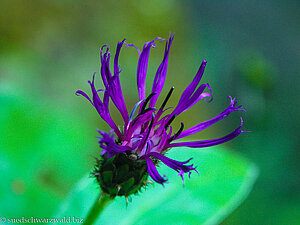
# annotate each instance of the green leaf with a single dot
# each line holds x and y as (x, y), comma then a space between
(224, 181)
(37, 143)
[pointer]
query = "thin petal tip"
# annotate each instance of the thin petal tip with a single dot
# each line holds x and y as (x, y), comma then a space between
(77, 93)
(246, 131)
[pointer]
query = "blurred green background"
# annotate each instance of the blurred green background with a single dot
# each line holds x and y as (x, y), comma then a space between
(49, 49)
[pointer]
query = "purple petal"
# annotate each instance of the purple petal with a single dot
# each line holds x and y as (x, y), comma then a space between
(101, 107)
(79, 92)
(191, 96)
(208, 143)
(116, 61)
(189, 102)
(105, 71)
(107, 142)
(192, 86)
(178, 166)
(132, 45)
(146, 135)
(142, 67)
(201, 126)
(160, 76)
(138, 122)
(153, 171)
(112, 83)
(116, 95)
(134, 109)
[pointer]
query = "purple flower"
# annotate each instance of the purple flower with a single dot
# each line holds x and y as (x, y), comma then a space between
(146, 133)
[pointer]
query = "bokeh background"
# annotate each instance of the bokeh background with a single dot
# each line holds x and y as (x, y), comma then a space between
(49, 49)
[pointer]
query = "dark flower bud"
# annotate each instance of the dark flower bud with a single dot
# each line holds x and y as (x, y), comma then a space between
(121, 175)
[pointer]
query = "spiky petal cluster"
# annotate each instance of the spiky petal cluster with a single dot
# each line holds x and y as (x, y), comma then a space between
(149, 135)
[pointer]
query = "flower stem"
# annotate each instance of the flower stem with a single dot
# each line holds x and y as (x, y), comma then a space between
(97, 208)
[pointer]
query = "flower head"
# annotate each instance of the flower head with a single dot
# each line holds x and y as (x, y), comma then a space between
(147, 133)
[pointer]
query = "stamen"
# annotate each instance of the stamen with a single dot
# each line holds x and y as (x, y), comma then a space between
(135, 120)
(148, 133)
(137, 117)
(147, 110)
(170, 121)
(146, 101)
(151, 124)
(166, 99)
(134, 109)
(177, 133)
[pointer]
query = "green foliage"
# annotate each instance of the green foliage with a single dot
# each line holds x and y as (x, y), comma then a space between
(39, 158)
(224, 181)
